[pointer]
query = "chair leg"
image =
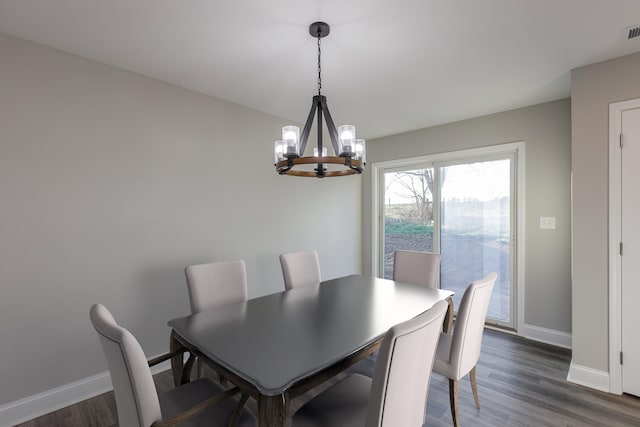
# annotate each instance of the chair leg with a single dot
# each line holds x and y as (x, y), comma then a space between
(222, 380)
(235, 416)
(448, 317)
(474, 386)
(200, 373)
(200, 369)
(186, 371)
(453, 399)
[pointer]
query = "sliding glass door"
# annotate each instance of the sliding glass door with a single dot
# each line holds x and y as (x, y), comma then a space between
(462, 209)
(475, 230)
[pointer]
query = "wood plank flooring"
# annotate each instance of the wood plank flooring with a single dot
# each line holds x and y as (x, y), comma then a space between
(521, 383)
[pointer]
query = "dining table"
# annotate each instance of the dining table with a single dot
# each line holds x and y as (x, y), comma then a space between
(279, 346)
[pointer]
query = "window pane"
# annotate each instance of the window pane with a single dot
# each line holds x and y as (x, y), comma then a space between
(475, 230)
(408, 213)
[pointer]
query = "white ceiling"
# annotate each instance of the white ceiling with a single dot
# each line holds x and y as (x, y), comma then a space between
(387, 66)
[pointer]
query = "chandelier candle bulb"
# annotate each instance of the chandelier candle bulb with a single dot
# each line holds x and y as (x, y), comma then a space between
(324, 152)
(279, 150)
(347, 140)
(360, 150)
(291, 138)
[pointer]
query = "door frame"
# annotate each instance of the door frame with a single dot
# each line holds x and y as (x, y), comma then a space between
(518, 149)
(615, 237)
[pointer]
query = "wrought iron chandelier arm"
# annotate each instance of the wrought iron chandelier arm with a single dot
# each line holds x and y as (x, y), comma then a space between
(355, 165)
(307, 126)
(333, 132)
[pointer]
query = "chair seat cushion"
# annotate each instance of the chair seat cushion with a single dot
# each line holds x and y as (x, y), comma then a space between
(344, 404)
(179, 399)
(441, 363)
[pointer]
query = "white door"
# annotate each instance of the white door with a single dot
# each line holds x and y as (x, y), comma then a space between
(630, 260)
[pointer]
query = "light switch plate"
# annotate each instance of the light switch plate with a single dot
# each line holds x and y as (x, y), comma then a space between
(547, 223)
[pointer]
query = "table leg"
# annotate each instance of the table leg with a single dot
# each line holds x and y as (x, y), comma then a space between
(177, 363)
(273, 410)
(448, 318)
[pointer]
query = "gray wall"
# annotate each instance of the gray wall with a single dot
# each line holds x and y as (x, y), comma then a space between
(593, 88)
(110, 184)
(545, 128)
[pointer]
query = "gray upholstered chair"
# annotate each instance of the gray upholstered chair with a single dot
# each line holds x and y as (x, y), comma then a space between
(418, 268)
(215, 284)
(414, 267)
(198, 403)
(398, 392)
(300, 269)
(458, 353)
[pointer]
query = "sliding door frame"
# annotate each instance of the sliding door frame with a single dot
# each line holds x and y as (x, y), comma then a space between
(516, 149)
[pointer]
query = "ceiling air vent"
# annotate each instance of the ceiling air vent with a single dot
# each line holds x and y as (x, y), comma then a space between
(632, 32)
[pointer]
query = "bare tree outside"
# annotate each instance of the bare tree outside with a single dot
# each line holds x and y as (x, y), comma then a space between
(418, 187)
(408, 213)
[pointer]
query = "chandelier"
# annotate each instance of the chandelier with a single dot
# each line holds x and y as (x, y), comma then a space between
(349, 152)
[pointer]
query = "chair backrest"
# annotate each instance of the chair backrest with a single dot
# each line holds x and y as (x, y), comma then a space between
(136, 396)
(216, 283)
(300, 269)
(418, 268)
(469, 325)
(403, 370)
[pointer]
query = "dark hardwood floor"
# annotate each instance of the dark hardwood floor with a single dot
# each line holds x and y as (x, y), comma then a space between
(523, 383)
(520, 383)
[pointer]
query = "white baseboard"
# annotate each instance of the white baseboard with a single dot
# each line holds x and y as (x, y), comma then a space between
(43, 403)
(589, 377)
(548, 336)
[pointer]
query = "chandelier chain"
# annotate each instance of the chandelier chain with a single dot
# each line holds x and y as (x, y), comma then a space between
(319, 66)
